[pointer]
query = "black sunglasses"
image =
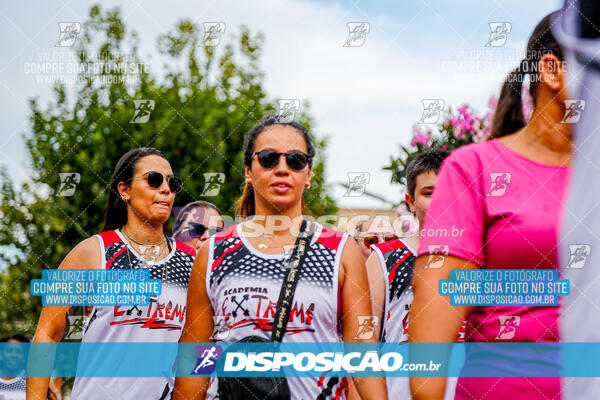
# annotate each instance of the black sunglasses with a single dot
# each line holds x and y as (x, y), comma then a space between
(155, 179)
(269, 159)
(198, 230)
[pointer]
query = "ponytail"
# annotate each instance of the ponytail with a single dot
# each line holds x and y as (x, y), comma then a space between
(509, 117)
(245, 204)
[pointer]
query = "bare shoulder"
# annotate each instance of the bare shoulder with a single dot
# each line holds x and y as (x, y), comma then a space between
(86, 255)
(375, 269)
(201, 262)
(352, 261)
(413, 243)
(351, 251)
(373, 261)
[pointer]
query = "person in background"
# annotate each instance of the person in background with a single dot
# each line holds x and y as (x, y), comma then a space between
(506, 196)
(375, 230)
(390, 266)
(13, 363)
(196, 223)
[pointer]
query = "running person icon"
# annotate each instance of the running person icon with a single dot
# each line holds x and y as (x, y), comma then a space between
(208, 359)
(574, 110)
(366, 328)
(69, 183)
(238, 275)
(508, 328)
(142, 111)
(499, 184)
(499, 33)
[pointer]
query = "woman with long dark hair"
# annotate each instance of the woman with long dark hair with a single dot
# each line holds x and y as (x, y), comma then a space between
(141, 195)
(238, 276)
(505, 196)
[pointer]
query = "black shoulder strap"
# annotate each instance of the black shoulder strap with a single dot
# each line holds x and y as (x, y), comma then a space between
(290, 280)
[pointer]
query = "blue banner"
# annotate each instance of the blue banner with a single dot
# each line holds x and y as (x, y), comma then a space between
(504, 287)
(305, 359)
(99, 287)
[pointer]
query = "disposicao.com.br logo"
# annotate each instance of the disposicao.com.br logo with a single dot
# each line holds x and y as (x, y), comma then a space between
(260, 359)
(352, 362)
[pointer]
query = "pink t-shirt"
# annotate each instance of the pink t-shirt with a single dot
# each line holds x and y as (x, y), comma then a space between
(499, 209)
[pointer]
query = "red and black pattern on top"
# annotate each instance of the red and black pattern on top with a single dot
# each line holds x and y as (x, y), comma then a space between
(333, 388)
(399, 263)
(176, 272)
(231, 259)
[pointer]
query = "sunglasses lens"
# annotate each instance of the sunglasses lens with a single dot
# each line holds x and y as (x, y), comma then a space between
(175, 184)
(268, 158)
(390, 236)
(155, 179)
(200, 230)
(296, 160)
(371, 240)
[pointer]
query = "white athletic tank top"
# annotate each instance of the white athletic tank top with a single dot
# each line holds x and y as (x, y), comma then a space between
(13, 388)
(243, 286)
(161, 321)
(398, 261)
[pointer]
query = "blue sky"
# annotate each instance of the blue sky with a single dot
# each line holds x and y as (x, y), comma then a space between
(365, 99)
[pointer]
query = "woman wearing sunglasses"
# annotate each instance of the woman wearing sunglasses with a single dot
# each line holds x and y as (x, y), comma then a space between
(141, 195)
(238, 276)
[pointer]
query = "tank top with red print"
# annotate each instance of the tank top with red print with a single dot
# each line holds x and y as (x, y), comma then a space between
(243, 286)
(398, 261)
(160, 321)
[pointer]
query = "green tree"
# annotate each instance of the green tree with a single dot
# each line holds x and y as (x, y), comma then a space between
(208, 98)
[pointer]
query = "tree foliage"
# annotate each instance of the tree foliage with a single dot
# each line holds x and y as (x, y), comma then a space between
(204, 102)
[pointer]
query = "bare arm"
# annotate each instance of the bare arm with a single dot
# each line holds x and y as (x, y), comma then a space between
(198, 326)
(356, 301)
(376, 289)
(51, 325)
(433, 319)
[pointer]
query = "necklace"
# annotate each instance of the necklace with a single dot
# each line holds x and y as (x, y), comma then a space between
(140, 243)
(148, 248)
